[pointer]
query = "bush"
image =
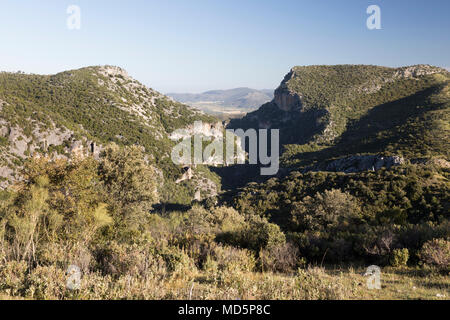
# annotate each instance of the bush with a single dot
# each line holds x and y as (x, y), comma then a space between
(63, 255)
(315, 284)
(123, 259)
(399, 257)
(12, 277)
(436, 252)
(46, 283)
(279, 258)
(256, 234)
(131, 185)
(330, 210)
(231, 259)
(177, 261)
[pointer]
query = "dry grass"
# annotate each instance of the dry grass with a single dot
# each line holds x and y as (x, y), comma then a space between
(309, 284)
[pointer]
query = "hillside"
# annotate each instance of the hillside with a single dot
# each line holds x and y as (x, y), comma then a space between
(328, 112)
(365, 161)
(87, 109)
(228, 103)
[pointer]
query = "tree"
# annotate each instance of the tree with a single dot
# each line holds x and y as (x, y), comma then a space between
(58, 201)
(130, 184)
(331, 209)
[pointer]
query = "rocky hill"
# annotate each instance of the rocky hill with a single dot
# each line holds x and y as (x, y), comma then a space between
(365, 165)
(332, 112)
(82, 111)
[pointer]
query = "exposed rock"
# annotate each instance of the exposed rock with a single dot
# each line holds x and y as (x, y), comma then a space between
(210, 130)
(18, 141)
(206, 188)
(437, 162)
(187, 175)
(8, 174)
(113, 71)
(285, 99)
(417, 71)
(4, 129)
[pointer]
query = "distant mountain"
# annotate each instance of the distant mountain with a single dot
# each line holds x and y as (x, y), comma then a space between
(236, 101)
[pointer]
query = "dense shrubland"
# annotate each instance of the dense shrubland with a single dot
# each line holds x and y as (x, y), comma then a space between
(336, 217)
(98, 216)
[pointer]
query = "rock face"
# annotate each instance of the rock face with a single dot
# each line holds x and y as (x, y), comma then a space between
(354, 164)
(187, 175)
(285, 99)
(214, 130)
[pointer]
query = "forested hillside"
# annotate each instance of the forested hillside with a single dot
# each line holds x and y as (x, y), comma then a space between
(85, 110)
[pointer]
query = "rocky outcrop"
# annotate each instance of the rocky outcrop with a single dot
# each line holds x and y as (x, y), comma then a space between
(114, 72)
(6, 176)
(417, 71)
(204, 187)
(52, 141)
(187, 175)
(285, 99)
(214, 130)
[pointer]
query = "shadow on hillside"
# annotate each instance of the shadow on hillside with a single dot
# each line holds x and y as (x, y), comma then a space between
(390, 124)
(238, 175)
(163, 208)
(270, 115)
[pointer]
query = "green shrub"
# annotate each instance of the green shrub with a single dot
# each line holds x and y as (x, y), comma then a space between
(399, 257)
(256, 234)
(177, 261)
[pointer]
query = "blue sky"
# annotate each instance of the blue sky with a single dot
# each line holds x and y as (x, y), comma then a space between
(196, 45)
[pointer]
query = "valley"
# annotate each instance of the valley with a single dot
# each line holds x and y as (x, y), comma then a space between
(87, 178)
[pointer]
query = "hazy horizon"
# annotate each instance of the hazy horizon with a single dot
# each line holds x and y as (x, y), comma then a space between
(193, 47)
